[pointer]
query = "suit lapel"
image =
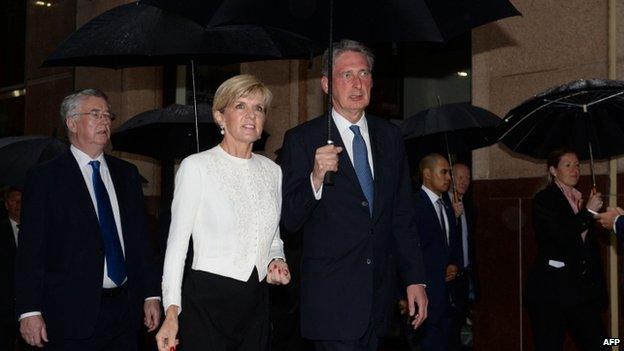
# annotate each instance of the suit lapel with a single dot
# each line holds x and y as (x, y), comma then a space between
(79, 188)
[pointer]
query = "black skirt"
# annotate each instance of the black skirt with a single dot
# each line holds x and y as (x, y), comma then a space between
(224, 314)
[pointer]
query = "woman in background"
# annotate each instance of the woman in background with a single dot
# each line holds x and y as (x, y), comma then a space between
(229, 200)
(566, 290)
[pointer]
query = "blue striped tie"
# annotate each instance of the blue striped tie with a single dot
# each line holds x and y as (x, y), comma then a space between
(115, 262)
(362, 167)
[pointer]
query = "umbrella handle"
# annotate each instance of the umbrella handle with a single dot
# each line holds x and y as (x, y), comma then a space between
(328, 179)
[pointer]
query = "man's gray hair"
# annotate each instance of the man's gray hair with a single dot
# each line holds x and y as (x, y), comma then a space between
(71, 102)
(340, 47)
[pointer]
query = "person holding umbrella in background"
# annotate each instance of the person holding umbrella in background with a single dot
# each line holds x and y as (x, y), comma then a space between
(229, 200)
(566, 290)
(356, 231)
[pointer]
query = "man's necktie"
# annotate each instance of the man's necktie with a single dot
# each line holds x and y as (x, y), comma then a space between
(362, 167)
(441, 206)
(115, 263)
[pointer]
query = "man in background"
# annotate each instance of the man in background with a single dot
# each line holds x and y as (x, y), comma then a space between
(9, 228)
(465, 213)
(442, 256)
(85, 269)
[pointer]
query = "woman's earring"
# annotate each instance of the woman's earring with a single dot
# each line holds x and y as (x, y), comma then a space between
(222, 130)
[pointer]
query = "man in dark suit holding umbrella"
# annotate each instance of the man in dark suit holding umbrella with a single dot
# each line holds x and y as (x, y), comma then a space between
(85, 271)
(358, 230)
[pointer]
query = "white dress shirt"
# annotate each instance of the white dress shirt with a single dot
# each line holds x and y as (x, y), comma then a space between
(231, 206)
(434, 199)
(14, 225)
(343, 125)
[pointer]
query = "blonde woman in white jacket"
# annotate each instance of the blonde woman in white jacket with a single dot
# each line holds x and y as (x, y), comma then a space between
(229, 200)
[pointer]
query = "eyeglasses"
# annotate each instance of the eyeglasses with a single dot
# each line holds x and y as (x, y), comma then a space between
(96, 115)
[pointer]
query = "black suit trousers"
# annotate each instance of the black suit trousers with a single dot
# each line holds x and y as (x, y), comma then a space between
(114, 330)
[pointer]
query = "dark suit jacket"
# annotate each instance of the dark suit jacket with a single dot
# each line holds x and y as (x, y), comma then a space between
(558, 231)
(348, 265)
(437, 254)
(60, 258)
(7, 270)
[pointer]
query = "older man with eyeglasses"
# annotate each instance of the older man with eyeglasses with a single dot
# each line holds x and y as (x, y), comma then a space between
(84, 265)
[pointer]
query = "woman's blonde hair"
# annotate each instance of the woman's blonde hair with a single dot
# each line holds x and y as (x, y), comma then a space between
(240, 86)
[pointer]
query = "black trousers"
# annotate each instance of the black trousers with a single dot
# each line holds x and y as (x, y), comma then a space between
(550, 322)
(114, 330)
(224, 314)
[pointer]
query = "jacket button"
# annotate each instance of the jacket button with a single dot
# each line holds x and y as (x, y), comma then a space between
(364, 204)
(368, 261)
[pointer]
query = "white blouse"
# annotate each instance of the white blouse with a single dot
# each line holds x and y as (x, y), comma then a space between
(232, 208)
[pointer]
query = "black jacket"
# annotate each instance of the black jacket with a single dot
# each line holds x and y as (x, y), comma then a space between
(558, 231)
(349, 259)
(60, 258)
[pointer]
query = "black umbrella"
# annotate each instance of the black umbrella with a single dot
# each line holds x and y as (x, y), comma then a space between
(169, 132)
(138, 34)
(362, 20)
(19, 154)
(448, 129)
(584, 116)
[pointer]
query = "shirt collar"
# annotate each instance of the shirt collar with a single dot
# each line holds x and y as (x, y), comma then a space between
(13, 223)
(83, 159)
(432, 196)
(343, 124)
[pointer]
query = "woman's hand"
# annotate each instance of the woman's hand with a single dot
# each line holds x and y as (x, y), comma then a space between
(278, 272)
(594, 202)
(166, 336)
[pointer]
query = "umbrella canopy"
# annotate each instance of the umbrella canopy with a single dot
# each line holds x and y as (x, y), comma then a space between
(583, 116)
(138, 34)
(170, 132)
(19, 154)
(449, 129)
(453, 128)
(577, 115)
(362, 20)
